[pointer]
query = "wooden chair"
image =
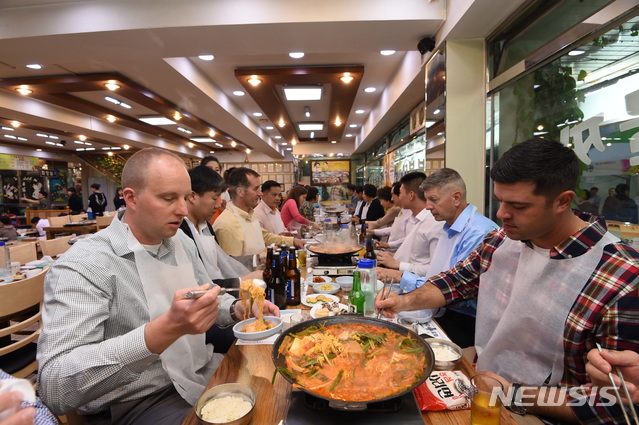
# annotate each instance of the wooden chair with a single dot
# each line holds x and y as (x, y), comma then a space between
(29, 213)
(57, 246)
(20, 325)
(23, 252)
(78, 217)
(58, 221)
(104, 221)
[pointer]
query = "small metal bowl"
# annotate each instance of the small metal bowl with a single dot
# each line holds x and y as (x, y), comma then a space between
(438, 344)
(234, 389)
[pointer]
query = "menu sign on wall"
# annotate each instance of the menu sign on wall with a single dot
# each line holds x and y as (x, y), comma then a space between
(18, 162)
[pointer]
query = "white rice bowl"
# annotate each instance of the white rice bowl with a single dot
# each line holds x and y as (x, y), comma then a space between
(226, 408)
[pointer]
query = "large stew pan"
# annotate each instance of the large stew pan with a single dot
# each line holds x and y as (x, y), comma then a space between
(280, 361)
(333, 249)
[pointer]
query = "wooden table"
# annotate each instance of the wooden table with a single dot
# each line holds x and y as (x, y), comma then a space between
(79, 230)
(252, 365)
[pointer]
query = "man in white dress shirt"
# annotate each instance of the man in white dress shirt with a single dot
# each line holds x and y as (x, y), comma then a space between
(422, 232)
(397, 231)
(267, 212)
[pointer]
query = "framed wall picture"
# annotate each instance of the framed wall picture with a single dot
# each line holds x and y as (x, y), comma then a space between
(287, 168)
(330, 172)
(270, 167)
(262, 168)
(287, 178)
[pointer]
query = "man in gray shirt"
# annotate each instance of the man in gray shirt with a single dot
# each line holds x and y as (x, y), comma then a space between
(121, 344)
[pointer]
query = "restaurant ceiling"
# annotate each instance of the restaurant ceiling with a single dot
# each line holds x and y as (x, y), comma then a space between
(156, 58)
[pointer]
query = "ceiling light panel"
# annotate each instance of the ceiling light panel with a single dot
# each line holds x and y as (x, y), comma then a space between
(311, 126)
(303, 93)
(158, 120)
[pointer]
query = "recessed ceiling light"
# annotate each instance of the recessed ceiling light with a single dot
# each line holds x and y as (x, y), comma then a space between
(38, 150)
(22, 139)
(177, 116)
(111, 118)
(277, 137)
(303, 92)
(248, 151)
(269, 127)
(347, 77)
(190, 144)
(337, 122)
(429, 123)
(440, 133)
(349, 135)
(254, 81)
(576, 52)
(112, 100)
(10, 136)
(79, 149)
(34, 66)
(311, 126)
(370, 89)
(126, 147)
(15, 123)
(206, 57)
(184, 130)
(289, 149)
(333, 141)
(360, 111)
(284, 144)
(24, 90)
(312, 134)
(233, 143)
(116, 149)
(387, 52)
(211, 151)
(111, 85)
(353, 126)
(293, 142)
(203, 139)
(89, 149)
(238, 93)
(257, 114)
(157, 120)
(219, 145)
(8, 129)
(296, 55)
(436, 111)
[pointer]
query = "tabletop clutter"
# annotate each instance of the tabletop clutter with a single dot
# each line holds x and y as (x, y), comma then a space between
(325, 351)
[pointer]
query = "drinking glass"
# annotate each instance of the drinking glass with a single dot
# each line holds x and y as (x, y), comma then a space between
(485, 406)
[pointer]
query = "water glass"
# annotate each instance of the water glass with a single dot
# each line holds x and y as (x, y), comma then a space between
(485, 406)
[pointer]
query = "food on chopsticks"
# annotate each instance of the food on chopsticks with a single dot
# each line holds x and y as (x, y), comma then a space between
(330, 309)
(352, 361)
(318, 299)
(225, 409)
(249, 294)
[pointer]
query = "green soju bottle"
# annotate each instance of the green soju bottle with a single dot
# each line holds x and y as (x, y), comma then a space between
(356, 298)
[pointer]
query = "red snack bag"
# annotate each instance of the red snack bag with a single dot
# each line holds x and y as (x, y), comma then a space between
(439, 392)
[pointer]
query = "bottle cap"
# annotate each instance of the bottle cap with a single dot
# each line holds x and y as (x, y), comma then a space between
(366, 263)
(327, 219)
(2, 243)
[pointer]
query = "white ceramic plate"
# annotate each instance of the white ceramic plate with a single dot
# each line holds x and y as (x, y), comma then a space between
(325, 278)
(5, 279)
(314, 296)
(313, 312)
(318, 290)
(254, 336)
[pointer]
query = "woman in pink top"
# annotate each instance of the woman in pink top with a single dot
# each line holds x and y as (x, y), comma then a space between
(291, 216)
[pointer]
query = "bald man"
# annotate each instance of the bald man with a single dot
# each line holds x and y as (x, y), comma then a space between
(121, 344)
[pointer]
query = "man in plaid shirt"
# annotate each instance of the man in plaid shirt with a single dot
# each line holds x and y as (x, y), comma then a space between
(549, 284)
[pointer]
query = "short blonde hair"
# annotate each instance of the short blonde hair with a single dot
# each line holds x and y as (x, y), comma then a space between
(136, 168)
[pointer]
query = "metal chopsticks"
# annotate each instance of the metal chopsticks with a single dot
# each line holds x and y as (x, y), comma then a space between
(191, 295)
(626, 393)
(385, 295)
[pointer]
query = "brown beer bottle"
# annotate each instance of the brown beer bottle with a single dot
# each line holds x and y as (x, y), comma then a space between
(370, 251)
(293, 280)
(362, 235)
(268, 267)
(276, 285)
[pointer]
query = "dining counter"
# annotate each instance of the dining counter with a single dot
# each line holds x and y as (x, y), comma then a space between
(252, 365)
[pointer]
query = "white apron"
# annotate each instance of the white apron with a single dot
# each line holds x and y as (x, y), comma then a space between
(188, 360)
(253, 239)
(522, 306)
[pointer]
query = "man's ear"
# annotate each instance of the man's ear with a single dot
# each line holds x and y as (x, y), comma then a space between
(130, 196)
(564, 200)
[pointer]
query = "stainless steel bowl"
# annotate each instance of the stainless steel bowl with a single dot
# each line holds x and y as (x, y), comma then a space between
(234, 389)
(436, 344)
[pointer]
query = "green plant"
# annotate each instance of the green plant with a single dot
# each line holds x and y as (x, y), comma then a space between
(110, 165)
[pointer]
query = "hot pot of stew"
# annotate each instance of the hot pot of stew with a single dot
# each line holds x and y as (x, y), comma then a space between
(352, 360)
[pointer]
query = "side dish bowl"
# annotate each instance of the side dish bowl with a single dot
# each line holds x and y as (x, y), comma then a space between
(326, 288)
(447, 353)
(238, 329)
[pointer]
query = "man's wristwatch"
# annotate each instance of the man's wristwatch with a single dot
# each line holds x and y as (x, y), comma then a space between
(232, 311)
(516, 405)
